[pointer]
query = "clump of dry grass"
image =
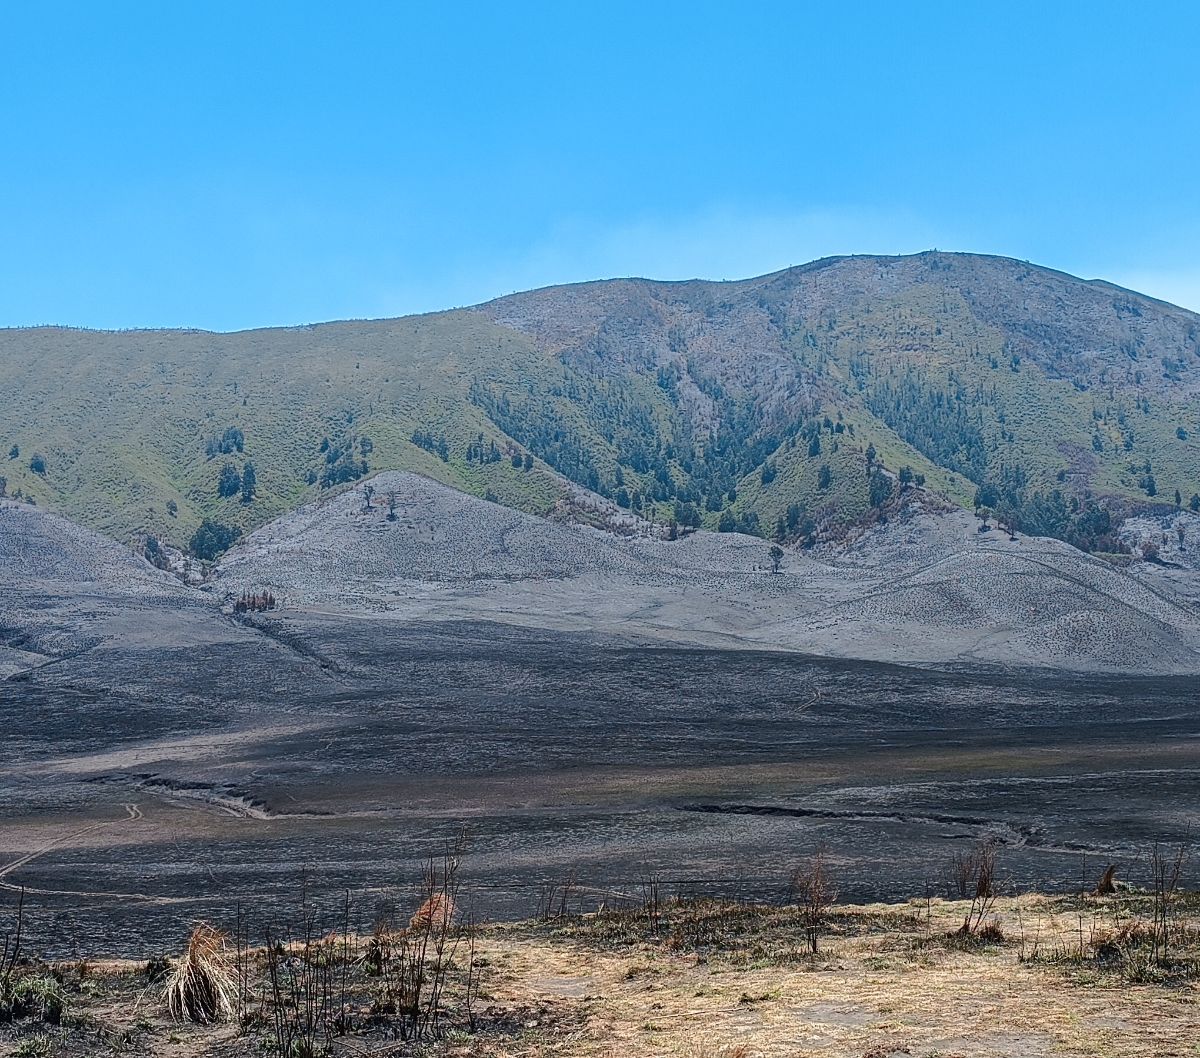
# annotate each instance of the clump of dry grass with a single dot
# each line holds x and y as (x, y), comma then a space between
(437, 911)
(1107, 885)
(203, 987)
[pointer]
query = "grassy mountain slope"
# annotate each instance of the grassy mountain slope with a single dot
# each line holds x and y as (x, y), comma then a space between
(737, 403)
(969, 369)
(124, 420)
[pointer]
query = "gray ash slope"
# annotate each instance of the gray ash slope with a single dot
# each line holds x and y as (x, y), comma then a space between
(78, 610)
(924, 589)
(330, 548)
(62, 585)
(927, 588)
(1032, 599)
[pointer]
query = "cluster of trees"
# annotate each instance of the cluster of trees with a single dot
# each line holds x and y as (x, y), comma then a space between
(880, 486)
(796, 525)
(1081, 522)
(435, 443)
(1118, 414)
(601, 429)
(154, 553)
(946, 425)
(18, 495)
(1145, 478)
(479, 452)
(535, 419)
(688, 515)
(230, 482)
(342, 461)
(644, 432)
(232, 440)
(729, 522)
(692, 471)
(249, 602)
(212, 539)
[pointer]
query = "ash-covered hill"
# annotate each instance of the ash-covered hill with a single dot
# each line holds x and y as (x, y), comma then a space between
(60, 584)
(925, 587)
(80, 611)
(794, 405)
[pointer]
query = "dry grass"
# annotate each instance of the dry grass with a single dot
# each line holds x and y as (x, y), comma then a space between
(437, 911)
(203, 987)
(706, 979)
(889, 980)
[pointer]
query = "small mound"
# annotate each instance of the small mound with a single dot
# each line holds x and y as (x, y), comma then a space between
(418, 531)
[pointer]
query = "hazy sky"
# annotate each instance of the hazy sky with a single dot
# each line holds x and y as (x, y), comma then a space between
(236, 165)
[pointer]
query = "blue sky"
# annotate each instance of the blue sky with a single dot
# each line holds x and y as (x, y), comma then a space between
(236, 165)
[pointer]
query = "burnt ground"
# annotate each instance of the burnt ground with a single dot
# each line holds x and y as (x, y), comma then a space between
(143, 788)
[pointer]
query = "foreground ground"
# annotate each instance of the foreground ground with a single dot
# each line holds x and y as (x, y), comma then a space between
(1055, 976)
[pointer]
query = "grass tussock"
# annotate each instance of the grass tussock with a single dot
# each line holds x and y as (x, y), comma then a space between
(203, 986)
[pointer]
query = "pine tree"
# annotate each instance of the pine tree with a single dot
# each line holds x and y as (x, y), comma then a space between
(249, 480)
(229, 481)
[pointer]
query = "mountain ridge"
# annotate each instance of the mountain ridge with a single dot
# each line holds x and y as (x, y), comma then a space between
(814, 265)
(788, 404)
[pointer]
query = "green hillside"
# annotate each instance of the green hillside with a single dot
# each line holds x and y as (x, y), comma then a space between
(126, 422)
(785, 404)
(1053, 399)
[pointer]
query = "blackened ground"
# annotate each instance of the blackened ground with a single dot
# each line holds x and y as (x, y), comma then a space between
(313, 756)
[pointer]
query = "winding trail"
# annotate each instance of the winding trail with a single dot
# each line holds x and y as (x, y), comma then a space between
(133, 813)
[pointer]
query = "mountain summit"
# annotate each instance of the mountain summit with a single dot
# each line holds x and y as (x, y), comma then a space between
(793, 405)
